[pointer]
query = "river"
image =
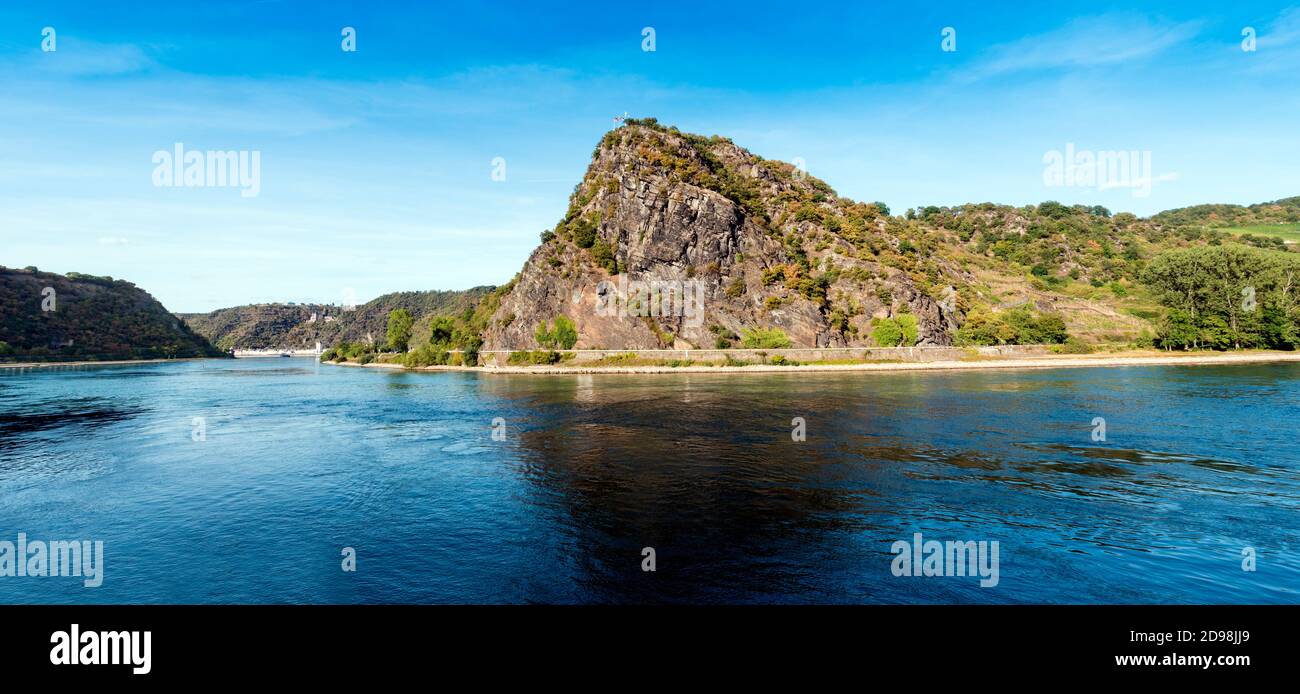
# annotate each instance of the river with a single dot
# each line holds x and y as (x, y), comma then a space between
(243, 481)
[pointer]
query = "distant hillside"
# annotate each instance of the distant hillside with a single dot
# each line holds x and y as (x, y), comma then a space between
(46, 317)
(297, 326)
(1284, 211)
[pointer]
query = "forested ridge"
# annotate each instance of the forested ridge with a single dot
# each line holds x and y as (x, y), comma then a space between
(50, 317)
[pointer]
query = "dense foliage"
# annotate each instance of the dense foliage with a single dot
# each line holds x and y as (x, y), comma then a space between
(562, 335)
(399, 328)
(92, 318)
(539, 357)
(1227, 297)
(1284, 211)
(1019, 326)
(764, 338)
(899, 331)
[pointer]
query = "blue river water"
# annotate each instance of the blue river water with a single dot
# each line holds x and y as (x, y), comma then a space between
(242, 481)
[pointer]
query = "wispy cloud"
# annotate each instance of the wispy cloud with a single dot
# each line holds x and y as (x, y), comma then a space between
(1283, 31)
(1084, 42)
(1276, 54)
(77, 57)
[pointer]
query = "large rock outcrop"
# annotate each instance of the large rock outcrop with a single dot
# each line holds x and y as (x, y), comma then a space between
(675, 239)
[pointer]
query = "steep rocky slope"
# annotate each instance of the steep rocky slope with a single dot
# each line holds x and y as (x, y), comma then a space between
(46, 316)
(743, 234)
(765, 245)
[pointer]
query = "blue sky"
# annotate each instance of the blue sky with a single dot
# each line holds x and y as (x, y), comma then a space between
(376, 164)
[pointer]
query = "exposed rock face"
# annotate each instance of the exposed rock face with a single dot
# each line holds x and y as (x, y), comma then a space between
(725, 240)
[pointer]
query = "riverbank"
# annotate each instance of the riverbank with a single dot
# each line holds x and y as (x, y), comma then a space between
(1149, 358)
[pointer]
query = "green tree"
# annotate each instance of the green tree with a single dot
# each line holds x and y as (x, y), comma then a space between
(1177, 330)
(1053, 209)
(907, 323)
(564, 335)
(1018, 326)
(885, 332)
(544, 336)
(1279, 329)
(1052, 330)
(470, 347)
(442, 330)
(584, 232)
(982, 328)
(399, 328)
(764, 338)
(1030, 329)
(603, 254)
(1228, 296)
(900, 331)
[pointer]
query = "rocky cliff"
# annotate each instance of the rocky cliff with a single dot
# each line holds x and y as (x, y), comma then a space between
(676, 239)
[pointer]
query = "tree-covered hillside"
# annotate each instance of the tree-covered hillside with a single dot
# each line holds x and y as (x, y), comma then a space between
(1284, 211)
(49, 317)
(301, 326)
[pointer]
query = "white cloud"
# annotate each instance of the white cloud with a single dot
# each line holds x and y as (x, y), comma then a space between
(1084, 42)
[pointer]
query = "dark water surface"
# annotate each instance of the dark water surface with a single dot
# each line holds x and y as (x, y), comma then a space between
(301, 460)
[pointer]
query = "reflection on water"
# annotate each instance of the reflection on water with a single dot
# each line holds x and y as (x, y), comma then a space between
(301, 460)
(40, 416)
